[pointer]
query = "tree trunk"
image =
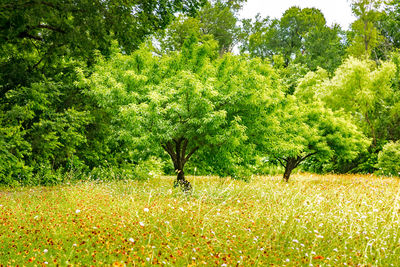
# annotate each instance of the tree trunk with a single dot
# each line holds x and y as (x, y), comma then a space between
(179, 159)
(290, 165)
(184, 184)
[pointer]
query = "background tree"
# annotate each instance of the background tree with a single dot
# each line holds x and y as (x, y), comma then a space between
(364, 36)
(388, 25)
(299, 36)
(215, 20)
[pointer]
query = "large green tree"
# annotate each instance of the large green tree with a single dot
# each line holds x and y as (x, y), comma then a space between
(188, 102)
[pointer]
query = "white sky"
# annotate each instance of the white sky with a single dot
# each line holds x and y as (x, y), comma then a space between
(335, 11)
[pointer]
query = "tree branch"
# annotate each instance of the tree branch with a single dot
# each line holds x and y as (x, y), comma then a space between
(190, 154)
(281, 162)
(299, 159)
(30, 36)
(185, 143)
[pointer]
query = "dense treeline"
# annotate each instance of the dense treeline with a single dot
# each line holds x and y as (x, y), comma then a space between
(122, 89)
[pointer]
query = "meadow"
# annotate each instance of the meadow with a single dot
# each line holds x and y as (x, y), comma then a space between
(331, 220)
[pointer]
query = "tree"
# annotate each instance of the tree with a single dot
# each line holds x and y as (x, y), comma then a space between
(388, 25)
(369, 93)
(299, 36)
(309, 130)
(364, 36)
(188, 101)
(215, 20)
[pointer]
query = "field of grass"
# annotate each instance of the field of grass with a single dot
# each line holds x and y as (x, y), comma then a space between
(313, 220)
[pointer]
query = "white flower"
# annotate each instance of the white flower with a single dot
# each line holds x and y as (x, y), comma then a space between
(45, 262)
(141, 224)
(131, 240)
(287, 260)
(45, 250)
(77, 211)
(335, 249)
(146, 210)
(320, 236)
(181, 209)
(295, 241)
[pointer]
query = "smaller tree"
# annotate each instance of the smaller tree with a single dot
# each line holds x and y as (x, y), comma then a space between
(311, 130)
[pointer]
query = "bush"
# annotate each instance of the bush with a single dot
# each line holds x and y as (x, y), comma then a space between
(389, 159)
(144, 170)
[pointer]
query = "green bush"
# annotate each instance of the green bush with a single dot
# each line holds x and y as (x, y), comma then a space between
(389, 159)
(144, 170)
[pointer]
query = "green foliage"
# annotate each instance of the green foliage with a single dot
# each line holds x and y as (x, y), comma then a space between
(365, 90)
(389, 158)
(186, 102)
(311, 130)
(389, 25)
(215, 20)
(299, 36)
(364, 35)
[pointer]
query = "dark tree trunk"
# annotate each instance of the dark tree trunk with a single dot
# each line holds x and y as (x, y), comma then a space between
(179, 159)
(291, 163)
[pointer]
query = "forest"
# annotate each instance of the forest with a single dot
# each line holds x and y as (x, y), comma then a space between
(116, 90)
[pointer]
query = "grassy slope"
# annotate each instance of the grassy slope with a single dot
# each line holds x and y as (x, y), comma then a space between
(328, 220)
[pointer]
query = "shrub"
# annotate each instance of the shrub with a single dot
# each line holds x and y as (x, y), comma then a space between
(389, 159)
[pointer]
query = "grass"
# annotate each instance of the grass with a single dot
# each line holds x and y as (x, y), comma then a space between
(313, 220)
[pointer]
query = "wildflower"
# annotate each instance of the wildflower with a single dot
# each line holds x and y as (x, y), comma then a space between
(45, 250)
(295, 241)
(131, 240)
(320, 236)
(287, 260)
(45, 262)
(77, 211)
(335, 249)
(181, 209)
(146, 210)
(141, 224)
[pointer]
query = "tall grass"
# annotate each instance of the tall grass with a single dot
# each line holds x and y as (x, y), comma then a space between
(313, 220)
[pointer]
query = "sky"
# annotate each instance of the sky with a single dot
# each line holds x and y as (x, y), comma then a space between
(335, 11)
